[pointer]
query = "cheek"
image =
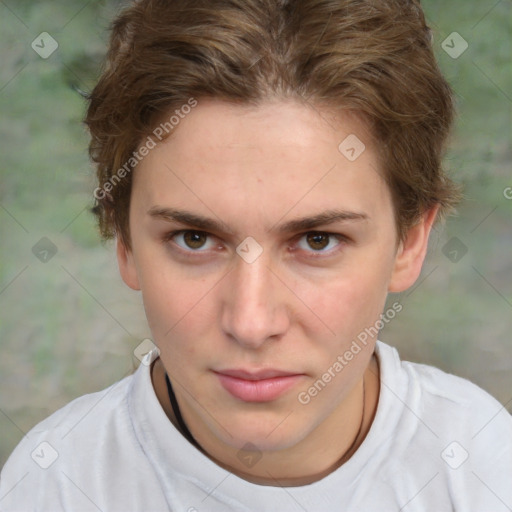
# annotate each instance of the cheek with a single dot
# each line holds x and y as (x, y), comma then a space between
(350, 301)
(176, 310)
(160, 315)
(166, 300)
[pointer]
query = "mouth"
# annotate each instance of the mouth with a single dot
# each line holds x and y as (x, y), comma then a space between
(257, 386)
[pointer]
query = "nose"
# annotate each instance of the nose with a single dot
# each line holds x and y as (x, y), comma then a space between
(253, 306)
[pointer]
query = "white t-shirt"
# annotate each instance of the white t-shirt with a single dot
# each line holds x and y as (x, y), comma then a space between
(437, 443)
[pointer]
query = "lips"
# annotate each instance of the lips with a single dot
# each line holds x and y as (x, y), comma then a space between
(259, 385)
(256, 374)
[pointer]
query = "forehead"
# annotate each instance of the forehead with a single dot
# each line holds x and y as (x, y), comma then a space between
(271, 126)
(280, 157)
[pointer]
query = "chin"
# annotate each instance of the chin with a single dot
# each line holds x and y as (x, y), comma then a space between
(265, 437)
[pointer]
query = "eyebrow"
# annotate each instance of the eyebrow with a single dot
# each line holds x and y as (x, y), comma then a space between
(302, 224)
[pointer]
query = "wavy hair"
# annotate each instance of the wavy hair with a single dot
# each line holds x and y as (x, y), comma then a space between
(372, 57)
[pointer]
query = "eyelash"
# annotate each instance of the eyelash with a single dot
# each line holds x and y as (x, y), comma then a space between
(342, 239)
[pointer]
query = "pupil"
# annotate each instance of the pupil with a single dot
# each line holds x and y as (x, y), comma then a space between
(314, 240)
(193, 240)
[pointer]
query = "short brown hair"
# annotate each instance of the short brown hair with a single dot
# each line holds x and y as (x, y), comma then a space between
(373, 57)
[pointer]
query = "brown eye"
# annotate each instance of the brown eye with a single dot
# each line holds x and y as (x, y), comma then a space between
(194, 239)
(318, 244)
(317, 241)
(190, 240)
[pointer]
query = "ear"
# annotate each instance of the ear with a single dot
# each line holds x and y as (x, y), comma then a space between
(411, 253)
(127, 266)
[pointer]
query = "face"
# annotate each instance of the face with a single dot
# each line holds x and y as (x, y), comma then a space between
(261, 248)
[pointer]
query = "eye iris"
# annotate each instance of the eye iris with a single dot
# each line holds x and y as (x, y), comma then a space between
(315, 241)
(194, 240)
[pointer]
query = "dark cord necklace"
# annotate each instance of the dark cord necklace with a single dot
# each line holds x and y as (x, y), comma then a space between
(177, 413)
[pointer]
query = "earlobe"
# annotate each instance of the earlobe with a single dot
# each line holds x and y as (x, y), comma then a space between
(411, 253)
(127, 266)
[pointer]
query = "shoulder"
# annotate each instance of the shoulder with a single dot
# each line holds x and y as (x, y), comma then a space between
(458, 431)
(439, 438)
(73, 438)
(440, 395)
(101, 404)
(446, 412)
(449, 396)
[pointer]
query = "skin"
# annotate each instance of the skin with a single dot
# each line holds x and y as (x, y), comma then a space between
(297, 307)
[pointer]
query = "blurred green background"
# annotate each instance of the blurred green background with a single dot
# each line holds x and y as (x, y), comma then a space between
(68, 325)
